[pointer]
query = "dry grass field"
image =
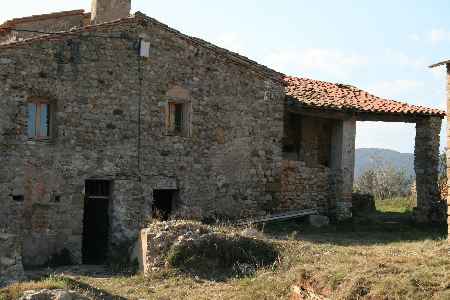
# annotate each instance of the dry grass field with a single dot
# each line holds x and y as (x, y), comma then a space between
(382, 256)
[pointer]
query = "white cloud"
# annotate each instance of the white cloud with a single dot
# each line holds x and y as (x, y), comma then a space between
(316, 62)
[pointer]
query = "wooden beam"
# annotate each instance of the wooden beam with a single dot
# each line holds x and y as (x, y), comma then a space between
(280, 217)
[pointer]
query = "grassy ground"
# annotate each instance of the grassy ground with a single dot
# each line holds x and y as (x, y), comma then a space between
(396, 205)
(378, 257)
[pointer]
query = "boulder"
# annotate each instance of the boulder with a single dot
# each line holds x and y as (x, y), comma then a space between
(52, 295)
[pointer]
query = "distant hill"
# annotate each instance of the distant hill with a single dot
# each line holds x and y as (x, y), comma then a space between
(367, 158)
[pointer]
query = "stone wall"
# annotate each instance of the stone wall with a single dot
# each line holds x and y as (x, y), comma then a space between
(308, 139)
(448, 148)
(319, 155)
(221, 169)
(430, 207)
(11, 268)
(304, 187)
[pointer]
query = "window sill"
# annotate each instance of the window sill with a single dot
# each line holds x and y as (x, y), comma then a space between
(175, 134)
(46, 141)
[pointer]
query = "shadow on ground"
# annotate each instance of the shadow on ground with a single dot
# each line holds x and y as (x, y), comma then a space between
(71, 274)
(90, 291)
(374, 229)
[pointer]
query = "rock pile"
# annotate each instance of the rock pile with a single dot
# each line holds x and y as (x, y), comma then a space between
(53, 295)
(156, 240)
(200, 249)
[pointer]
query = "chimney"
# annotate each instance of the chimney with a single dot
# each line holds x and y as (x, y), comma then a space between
(109, 10)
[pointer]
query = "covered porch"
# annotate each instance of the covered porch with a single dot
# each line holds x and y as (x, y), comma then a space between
(319, 147)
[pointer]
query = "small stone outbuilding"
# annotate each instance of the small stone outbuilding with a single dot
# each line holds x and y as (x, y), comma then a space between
(110, 120)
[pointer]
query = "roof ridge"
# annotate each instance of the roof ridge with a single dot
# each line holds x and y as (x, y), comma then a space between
(65, 13)
(139, 16)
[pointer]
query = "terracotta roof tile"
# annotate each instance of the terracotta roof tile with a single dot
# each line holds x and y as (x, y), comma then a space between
(326, 95)
(14, 22)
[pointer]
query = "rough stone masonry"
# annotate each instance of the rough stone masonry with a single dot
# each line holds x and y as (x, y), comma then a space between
(109, 122)
(128, 120)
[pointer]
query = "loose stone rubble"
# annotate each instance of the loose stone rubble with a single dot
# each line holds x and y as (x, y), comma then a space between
(53, 295)
(156, 241)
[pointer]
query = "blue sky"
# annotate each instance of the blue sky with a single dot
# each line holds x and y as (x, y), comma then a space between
(382, 46)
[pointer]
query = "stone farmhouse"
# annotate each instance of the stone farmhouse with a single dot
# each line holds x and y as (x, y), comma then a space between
(111, 119)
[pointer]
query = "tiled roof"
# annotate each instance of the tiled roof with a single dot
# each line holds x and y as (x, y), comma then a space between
(441, 63)
(330, 96)
(35, 18)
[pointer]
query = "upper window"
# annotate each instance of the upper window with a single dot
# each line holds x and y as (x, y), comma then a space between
(177, 118)
(38, 120)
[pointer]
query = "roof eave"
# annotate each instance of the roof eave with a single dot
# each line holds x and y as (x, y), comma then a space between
(445, 62)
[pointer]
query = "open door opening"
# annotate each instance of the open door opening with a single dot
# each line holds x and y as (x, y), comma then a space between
(163, 203)
(96, 221)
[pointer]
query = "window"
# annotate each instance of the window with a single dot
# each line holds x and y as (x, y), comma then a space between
(38, 120)
(177, 118)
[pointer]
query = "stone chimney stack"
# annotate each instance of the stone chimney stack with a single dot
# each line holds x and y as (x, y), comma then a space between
(109, 10)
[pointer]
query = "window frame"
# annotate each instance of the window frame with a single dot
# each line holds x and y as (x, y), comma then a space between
(39, 102)
(170, 118)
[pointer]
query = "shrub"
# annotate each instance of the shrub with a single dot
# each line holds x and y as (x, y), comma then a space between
(220, 255)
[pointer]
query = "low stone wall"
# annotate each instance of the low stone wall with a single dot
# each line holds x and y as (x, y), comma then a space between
(11, 268)
(304, 187)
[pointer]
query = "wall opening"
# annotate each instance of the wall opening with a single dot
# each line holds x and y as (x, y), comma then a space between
(164, 202)
(308, 139)
(96, 222)
(384, 167)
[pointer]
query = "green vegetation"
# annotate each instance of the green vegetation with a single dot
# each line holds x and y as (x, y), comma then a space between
(396, 205)
(382, 256)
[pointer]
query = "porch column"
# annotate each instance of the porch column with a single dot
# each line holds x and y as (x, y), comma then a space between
(343, 165)
(430, 208)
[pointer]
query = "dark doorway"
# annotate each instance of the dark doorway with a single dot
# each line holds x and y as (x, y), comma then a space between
(163, 203)
(96, 221)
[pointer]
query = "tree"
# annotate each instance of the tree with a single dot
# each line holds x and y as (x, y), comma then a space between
(384, 181)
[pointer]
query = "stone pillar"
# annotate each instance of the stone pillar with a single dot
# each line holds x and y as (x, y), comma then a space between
(343, 165)
(429, 204)
(448, 149)
(109, 10)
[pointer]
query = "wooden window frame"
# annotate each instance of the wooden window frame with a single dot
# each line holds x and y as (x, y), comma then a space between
(170, 118)
(39, 102)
